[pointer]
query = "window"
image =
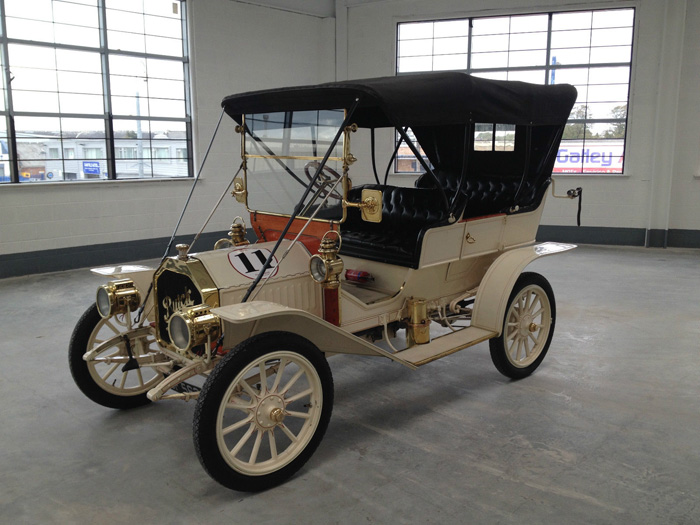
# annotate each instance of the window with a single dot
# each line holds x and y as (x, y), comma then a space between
(127, 153)
(93, 80)
(93, 153)
(406, 161)
(590, 49)
(494, 137)
(161, 153)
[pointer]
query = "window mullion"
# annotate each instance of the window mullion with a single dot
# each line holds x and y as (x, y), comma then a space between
(188, 93)
(10, 121)
(548, 68)
(107, 94)
(469, 46)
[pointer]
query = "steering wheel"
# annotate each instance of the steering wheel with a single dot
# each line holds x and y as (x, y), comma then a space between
(327, 175)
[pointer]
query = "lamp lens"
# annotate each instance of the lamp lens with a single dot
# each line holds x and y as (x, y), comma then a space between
(104, 305)
(318, 269)
(179, 332)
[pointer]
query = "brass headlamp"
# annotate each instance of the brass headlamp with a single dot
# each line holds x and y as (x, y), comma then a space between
(117, 297)
(325, 267)
(192, 327)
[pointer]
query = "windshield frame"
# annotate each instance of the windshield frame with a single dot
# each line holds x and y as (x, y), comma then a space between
(346, 159)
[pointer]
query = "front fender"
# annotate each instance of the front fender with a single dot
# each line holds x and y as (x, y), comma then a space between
(245, 320)
(141, 275)
(495, 288)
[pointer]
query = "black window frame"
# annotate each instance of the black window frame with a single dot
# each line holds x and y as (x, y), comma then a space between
(579, 122)
(8, 114)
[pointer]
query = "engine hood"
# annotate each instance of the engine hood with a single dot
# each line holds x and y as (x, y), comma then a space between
(237, 267)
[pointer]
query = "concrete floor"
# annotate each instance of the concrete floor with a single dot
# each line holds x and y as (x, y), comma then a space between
(606, 431)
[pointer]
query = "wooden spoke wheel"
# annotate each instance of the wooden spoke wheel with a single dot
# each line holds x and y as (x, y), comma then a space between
(263, 411)
(527, 328)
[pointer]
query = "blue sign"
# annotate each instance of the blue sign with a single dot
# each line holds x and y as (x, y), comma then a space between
(91, 167)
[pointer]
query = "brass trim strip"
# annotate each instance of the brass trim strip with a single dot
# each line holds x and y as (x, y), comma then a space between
(287, 215)
(290, 157)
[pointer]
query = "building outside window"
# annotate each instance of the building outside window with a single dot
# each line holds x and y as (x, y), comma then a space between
(126, 153)
(590, 49)
(101, 81)
(161, 153)
(93, 153)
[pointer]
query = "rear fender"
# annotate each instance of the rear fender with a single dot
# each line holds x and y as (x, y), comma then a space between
(495, 288)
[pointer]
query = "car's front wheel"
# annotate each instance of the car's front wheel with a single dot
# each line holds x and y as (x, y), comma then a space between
(263, 411)
(528, 327)
(105, 379)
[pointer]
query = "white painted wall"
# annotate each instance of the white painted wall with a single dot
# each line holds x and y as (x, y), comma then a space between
(685, 191)
(236, 47)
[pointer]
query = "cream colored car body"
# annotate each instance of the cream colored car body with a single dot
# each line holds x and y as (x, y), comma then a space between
(481, 256)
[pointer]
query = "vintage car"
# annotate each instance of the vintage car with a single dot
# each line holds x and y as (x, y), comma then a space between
(409, 273)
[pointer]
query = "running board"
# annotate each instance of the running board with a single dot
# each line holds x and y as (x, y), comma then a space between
(445, 345)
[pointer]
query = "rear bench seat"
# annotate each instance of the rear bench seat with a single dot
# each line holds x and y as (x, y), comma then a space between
(408, 212)
(484, 194)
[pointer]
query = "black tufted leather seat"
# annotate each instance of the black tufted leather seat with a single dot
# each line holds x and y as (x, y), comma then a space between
(488, 196)
(482, 195)
(406, 214)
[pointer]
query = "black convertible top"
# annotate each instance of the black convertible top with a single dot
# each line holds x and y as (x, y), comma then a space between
(426, 99)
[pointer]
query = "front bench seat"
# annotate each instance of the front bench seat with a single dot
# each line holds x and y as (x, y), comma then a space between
(406, 214)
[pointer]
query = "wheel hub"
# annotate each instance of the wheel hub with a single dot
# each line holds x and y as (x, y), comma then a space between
(277, 415)
(527, 325)
(270, 412)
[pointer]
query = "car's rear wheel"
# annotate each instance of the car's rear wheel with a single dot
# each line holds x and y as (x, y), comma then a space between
(528, 327)
(263, 411)
(105, 379)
